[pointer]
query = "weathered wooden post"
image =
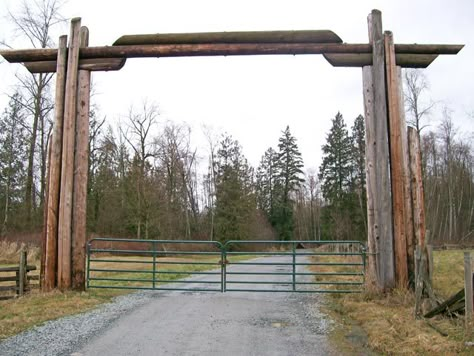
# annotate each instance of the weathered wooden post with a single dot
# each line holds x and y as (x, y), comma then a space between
(468, 290)
(378, 160)
(418, 195)
(409, 228)
(49, 280)
(81, 169)
(67, 168)
(398, 152)
(22, 273)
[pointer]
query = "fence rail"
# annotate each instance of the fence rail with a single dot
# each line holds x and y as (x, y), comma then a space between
(21, 278)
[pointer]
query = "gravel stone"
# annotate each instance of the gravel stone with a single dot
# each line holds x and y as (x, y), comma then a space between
(62, 336)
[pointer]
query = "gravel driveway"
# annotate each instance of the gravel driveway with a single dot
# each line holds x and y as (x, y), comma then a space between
(187, 323)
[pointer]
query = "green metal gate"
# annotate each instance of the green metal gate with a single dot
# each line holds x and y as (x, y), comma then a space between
(236, 266)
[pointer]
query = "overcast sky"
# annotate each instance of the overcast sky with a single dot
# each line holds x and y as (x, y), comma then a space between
(255, 97)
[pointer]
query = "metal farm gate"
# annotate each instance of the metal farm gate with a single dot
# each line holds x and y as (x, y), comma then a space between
(235, 266)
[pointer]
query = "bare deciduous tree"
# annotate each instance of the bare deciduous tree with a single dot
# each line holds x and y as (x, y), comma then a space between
(138, 135)
(416, 104)
(33, 20)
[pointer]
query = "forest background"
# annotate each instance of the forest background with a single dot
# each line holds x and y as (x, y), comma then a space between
(149, 179)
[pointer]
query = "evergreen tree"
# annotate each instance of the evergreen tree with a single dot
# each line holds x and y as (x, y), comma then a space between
(289, 179)
(336, 170)
(342, 174)
(267, 175)
(13, 153)
(359, 179)
(235, 202)
(358, 151)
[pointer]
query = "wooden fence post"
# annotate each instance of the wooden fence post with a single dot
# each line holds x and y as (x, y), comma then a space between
(468, 289)
(22, 273)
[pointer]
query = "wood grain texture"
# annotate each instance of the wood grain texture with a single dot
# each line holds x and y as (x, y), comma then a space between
(370, 165)
(418, 195)
(95, 64)
(468, 287)
(45, 212)
(81, 169)
(409, 229)
(397, 163)
(383, 223)
(419, 57)
(302, 36)
(54, 178)
(67, 167)
(365, 59)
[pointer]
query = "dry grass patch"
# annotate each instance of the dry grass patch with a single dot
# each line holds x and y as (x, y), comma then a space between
(448, 276)
(10, 253)
(343, 269)
(388, 320)
(19, 314)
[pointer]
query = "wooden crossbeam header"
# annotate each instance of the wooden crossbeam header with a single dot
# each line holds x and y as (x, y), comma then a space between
(323, 42)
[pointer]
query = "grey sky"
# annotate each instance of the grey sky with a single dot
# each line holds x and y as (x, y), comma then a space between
(254, 98)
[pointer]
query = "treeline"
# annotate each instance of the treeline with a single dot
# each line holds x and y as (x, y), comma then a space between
(147, 180)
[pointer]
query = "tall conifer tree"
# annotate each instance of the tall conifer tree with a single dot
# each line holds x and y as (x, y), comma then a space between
(290, 165)
(336, 170)
(235, 201)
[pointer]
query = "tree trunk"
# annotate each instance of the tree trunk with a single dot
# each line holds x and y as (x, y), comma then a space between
(29, 191)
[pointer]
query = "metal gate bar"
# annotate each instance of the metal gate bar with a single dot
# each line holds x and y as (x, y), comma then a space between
(294, 254)
(153, 277)
(164, 261)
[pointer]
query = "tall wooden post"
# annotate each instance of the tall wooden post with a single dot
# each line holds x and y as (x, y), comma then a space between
(397, 163)
(409, 229)
(368, 91)
(67, 168)
(468, 289)
(81, 168)
(378, 159)
(54, 177)
(418, 195)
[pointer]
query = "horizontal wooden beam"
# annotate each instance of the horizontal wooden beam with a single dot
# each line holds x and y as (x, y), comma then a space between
(428, 48)
(348, 59)
(412, 54)
(305, 36)
(93, 64)
(187, 50)
(406, 60)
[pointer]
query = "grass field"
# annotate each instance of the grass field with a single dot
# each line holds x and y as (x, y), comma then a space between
(386, 323)
(19, 314)
(382, 323)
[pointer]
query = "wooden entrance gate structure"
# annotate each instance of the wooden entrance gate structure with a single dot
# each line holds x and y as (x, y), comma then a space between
(394, 186)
